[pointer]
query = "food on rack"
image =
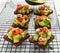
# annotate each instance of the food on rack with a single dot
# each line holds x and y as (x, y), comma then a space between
(23, 9)
(16, 36)
(43, 10)
(42, 37)
(41, 21)
(21, 21)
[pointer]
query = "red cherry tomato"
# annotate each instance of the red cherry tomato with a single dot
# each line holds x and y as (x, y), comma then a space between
(19, 6)
(41, 39)
(41, 29)
(17, 31)
(20, 30)
(19, 15)
(26, 7)
(20, 19)
(37, 18)
(26, 16)
(41, 7)
(14, 32)
(45, 30)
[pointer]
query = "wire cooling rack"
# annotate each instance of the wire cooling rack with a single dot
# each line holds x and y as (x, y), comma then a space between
(6, 20)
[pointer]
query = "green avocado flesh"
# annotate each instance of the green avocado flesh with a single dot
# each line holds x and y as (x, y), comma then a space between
(10, 35)
(23, 11)
(36, 37)
(20, 23)
(44, 43)
(40, 12)
(42, 23)
(37, 1)
(24, 33)
(18, 37)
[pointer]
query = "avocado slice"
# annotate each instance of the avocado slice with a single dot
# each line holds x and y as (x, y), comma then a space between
(22, 23)
(24, 33)
(35, 37)
(37, 1)
(16, 21)
(20, 11)
(17, 38)
(48, 35)
(42, 34)
(10, 35)
(36, 23)
(27, 11)
(46, 22)
(23, 11)
(47, 8)
(41, 12)
(42, 23)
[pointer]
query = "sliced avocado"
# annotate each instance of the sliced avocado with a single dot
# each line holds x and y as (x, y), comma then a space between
(36, 23)
(48, 35)
(42, 23)
(22, 23)
(35, 37)
(16, 21)
(46, 22)
(41, 12)
(37, 1)
(24, 33)
(42, 34)
(10, 35)
(17, 38)
(23, 12)
(38, 11)
(27, 11)
(46, 8)
(20, 11)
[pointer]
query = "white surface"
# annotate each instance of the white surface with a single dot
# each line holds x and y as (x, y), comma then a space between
(2, 4)
(57, 7)
(57, 3)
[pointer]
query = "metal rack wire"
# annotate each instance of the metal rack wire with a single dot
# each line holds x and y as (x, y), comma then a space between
(6, 19)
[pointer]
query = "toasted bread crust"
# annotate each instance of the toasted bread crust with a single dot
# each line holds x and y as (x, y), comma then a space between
(40, 45)
(19, 43)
